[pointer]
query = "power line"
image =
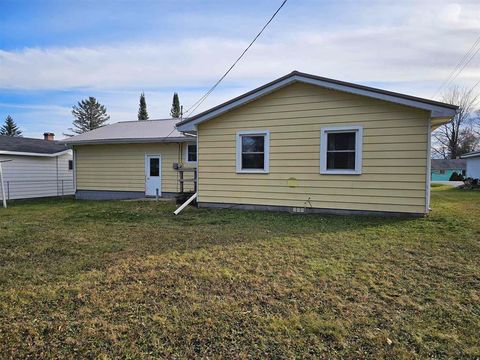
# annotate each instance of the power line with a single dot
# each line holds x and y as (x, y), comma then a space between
(461, 64)
(474, 86)
(202, 99)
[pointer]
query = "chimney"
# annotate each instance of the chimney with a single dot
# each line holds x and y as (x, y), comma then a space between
(48, 136)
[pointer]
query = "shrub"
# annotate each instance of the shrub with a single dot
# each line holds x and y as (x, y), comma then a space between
(470, 183)
(456, 177)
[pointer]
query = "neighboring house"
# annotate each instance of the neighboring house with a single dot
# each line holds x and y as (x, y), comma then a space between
(442, 169)
(473, 164)
(38, 168)
(308, 142)
(299, 143)
(133, 159)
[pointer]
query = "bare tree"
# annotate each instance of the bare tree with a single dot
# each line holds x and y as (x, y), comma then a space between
(461, 134)
(469, 140)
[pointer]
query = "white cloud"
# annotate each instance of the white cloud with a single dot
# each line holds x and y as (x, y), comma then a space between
(406, 52)
(412, 53)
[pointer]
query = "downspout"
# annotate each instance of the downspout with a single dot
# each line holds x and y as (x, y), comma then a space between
(194, 196)
(56, 166)
(198, 162)
(74, 168)
(185, 204)
(429, 165)
(179, 160)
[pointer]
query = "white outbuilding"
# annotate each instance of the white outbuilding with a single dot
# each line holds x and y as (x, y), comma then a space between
(36, 167)
(473, 164)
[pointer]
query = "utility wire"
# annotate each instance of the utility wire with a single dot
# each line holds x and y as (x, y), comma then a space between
(192, 108)
(461, 64)
(474, 86)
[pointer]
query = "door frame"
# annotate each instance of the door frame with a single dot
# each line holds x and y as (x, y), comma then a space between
(146, 168)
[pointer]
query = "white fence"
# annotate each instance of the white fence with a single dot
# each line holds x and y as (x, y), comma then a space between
(27, 189)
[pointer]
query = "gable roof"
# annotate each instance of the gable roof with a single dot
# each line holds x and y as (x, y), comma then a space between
(162, 130)
(471, 155)
(437, 109)
(448, 164)
(30, 147)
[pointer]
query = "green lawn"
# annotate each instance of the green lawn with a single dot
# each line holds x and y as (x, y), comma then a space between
(131, 280)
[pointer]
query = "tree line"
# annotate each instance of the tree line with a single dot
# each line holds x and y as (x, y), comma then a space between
(89, 114)
(449, 141)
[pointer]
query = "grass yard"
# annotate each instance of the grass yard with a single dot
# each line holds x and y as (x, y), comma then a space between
(130, 280)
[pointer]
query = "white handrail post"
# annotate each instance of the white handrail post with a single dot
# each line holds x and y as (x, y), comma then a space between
(3, 187)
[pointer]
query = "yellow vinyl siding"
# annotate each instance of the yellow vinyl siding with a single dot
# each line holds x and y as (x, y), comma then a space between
(121, 167)
(394, 153)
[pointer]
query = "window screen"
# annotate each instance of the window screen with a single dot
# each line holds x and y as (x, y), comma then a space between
(192, 153)
(341, 151)
(253, 152)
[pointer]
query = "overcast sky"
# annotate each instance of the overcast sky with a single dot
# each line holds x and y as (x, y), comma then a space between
(54, 53)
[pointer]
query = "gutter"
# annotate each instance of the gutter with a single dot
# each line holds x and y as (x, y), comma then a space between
(129, 141)
(473, 155)
(19, 153)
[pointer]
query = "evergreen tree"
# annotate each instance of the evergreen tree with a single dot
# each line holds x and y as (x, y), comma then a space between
(176, 110)
(10, 128)
(89, 114)
(142, 110)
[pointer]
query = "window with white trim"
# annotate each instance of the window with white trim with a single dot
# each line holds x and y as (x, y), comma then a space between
(341, 150)
(253, 151)
(191, 153)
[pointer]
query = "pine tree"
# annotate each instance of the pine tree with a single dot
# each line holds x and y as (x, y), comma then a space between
(89, 114)
(176, 110)
(142, 110)
(10, 128)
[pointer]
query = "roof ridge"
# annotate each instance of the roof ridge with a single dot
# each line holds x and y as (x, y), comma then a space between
(334, 84)
(26, 138)
(134, 121)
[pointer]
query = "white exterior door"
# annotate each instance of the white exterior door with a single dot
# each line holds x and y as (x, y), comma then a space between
(153, 175)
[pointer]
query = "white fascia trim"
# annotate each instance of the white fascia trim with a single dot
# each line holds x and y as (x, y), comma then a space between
(358, 149)
(191, 125)
(19, 153)
(186, 153)
(266, 155)
(436, 111)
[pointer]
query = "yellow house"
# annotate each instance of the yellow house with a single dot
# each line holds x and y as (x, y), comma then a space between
(305, 143)
(133, 159)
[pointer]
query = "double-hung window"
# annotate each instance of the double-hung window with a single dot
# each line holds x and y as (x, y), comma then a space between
(191, 153)
(253, 151)
(341, 150)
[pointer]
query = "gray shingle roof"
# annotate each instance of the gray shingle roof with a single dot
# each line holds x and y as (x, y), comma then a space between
(162, 130)
(30, 145)
(449, 164)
